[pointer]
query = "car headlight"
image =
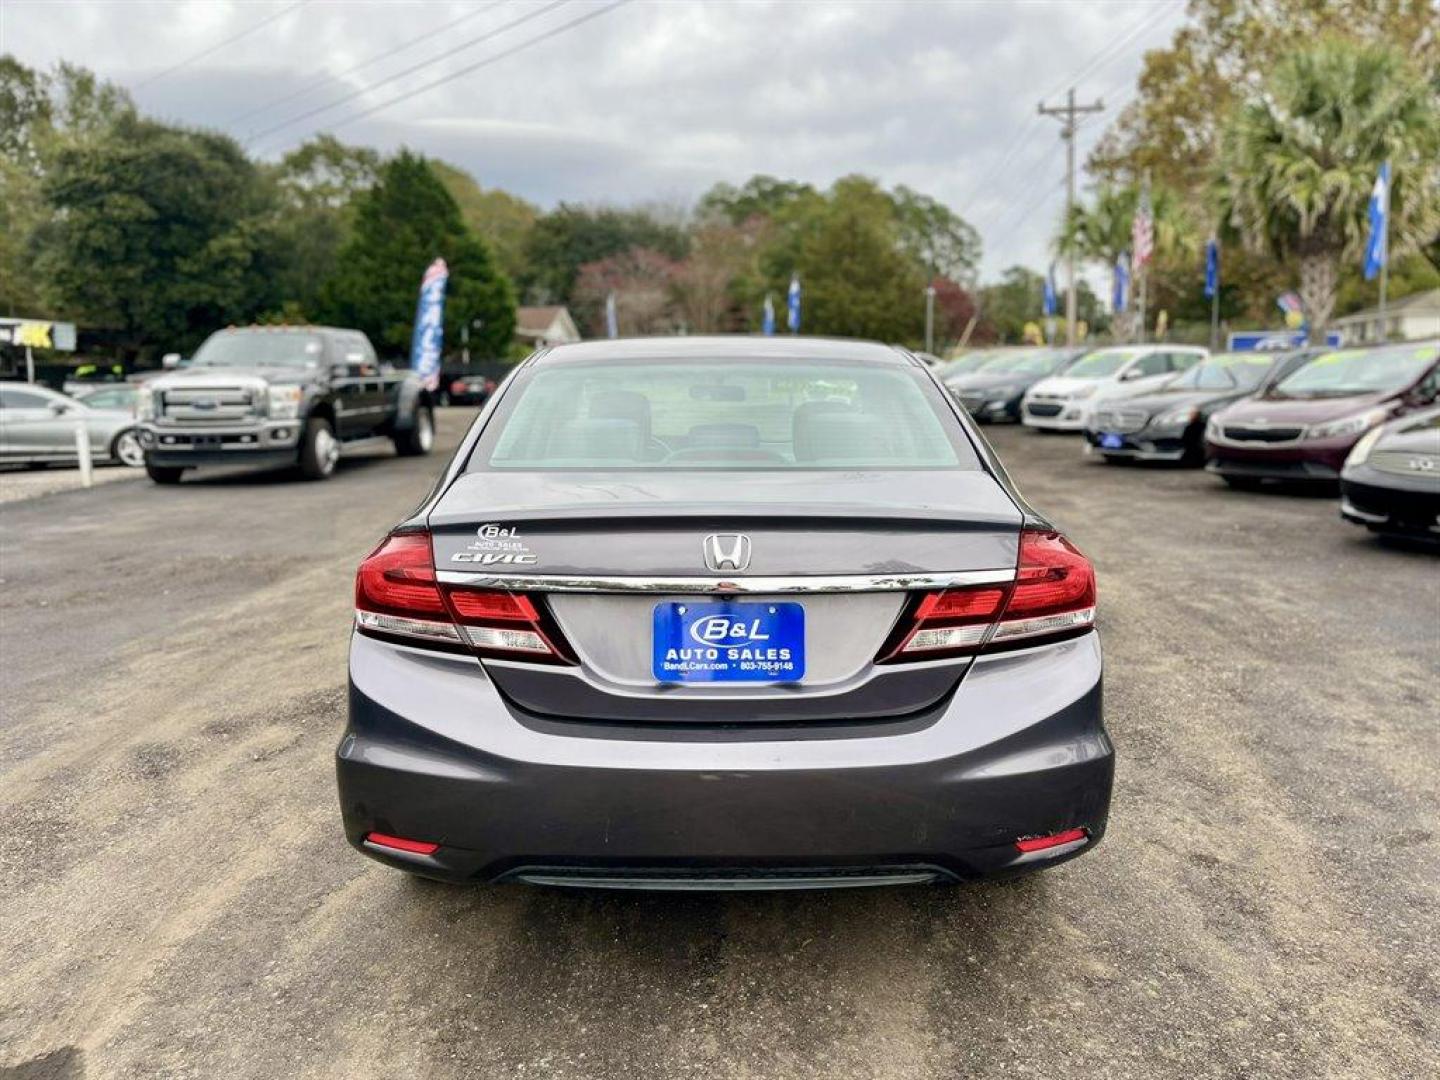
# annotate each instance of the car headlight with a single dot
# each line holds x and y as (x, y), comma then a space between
(145, 405)
(1350, 425)
(284, 402)
(1361, 451)
(1185, 415)
(1084, 392)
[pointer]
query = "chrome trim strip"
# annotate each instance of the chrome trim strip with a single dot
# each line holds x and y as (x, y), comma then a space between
(742, 585)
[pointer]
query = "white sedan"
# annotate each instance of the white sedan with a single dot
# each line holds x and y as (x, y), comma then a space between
(1063, 402)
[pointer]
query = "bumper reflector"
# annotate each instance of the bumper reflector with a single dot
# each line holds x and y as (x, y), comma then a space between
(1055, 840)
(399, 843)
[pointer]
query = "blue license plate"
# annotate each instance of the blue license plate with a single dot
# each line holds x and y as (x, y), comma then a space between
(729, 642)
(1110, 441)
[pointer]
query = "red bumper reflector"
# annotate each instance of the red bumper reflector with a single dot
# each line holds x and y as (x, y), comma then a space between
(399, 843)
(1040, 843)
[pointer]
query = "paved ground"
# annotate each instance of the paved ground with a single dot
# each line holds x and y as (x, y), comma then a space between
(18, 484)
(178, 901)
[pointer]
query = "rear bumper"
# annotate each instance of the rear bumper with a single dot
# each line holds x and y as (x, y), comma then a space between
(432, 752)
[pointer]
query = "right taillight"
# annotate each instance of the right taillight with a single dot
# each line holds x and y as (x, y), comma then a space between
(1052, 596)
(398, 596)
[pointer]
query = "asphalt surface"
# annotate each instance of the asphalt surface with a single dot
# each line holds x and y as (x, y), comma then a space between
(177, 900)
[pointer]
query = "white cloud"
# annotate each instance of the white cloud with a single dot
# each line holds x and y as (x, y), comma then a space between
(658, 98)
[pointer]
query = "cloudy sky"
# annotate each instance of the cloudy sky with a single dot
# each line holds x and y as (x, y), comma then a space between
(586, 100)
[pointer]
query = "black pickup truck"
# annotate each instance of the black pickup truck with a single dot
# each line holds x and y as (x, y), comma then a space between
(280, 395)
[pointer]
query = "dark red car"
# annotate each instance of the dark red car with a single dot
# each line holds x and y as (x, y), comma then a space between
(1303, 428)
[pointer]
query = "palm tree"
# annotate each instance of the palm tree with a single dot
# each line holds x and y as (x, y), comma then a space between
(1298, 161)
(1100, 231)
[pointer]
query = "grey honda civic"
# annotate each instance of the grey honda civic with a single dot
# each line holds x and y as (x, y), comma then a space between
(724, 613)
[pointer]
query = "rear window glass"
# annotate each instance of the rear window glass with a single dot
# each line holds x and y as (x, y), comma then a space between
(723, 414)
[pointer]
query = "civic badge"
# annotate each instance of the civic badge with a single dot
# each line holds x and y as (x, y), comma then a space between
(727, 551)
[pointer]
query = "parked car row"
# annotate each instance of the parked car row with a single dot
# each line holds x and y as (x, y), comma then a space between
(1365, 420)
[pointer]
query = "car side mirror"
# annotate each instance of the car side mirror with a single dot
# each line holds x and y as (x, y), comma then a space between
(1133, 373)
(59, 408)
(170, 361)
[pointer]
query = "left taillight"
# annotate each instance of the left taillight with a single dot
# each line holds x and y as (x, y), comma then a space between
(397, 595)
(1052, 597)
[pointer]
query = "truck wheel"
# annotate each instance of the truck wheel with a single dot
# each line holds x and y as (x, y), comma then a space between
(419, 438)
(319, 449)
(164, 474)
(126, 449)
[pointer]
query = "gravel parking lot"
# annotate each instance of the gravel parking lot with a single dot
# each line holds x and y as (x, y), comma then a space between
(178, 899)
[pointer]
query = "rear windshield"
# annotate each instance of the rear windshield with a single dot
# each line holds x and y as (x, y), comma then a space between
(723, 414)
(1360, 371)
(1098, 365)
(259, 348)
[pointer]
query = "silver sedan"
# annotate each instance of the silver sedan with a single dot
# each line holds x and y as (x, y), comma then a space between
(37, 425)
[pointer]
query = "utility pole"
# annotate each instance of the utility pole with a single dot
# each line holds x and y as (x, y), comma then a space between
(1067, 114)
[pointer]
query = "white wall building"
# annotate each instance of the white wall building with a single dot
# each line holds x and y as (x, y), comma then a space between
(539, 326)
(1407, 319)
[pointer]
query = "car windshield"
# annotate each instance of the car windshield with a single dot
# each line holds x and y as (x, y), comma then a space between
(1359, 371)
(1036, 363)
(1232, 372)
(1098, 365)
(723, 414)
(259, 348)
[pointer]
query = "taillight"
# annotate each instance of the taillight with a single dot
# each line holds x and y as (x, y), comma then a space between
(397, 595)
(1052, 596)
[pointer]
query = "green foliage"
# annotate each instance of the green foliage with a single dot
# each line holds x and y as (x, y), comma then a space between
(500, 219)
(857, 279)
(158, 232)
(314, 187)
(567, 238)
(1298, 160)
(402, 223)
(936, 237)
(762, 197)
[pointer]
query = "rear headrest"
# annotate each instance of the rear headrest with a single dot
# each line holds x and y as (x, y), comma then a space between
(823, 436)
(597, 439)
(622, 405)
(728, 436)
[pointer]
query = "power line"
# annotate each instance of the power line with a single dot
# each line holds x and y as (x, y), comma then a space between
(216, 48)
(1145, 22)
(537, 39)
(479, 40)
(1100, 61)
(384, 54)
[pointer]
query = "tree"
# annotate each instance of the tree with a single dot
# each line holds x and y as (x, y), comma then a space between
(711, 284)
(500, 219)
(955, 307)
(1221, 56)
(157, 232)
(402, 224)
(858, 280)
(936, 237)
(40, 113)
(1298, 161)
(643, 282)
(761, 196)
(1100, 231)
(315, 188)
(570, 236)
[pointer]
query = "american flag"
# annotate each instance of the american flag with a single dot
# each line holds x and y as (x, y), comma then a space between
(1142, 232)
